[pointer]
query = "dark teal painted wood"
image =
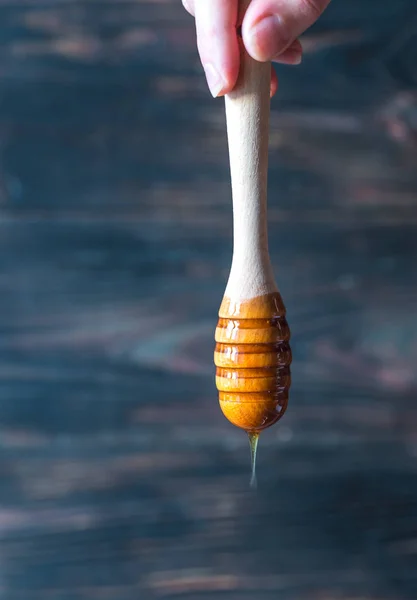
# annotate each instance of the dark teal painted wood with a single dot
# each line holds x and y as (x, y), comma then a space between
(120, 478)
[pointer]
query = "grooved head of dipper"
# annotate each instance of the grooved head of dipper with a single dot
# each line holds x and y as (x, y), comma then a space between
(253, 358)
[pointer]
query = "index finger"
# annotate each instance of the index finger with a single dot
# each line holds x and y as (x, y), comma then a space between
(217, 43)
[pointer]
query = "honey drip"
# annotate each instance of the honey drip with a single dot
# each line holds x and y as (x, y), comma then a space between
(253, 443)
(253, 358)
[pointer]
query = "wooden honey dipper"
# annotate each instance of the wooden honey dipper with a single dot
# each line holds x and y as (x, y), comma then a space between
(252, 354)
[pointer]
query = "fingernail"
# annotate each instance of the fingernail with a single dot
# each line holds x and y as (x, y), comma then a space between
(268, 38)
(294, 58)
(297, 58)
(214, 81)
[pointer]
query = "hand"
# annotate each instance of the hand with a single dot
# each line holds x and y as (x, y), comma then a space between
(270, 31)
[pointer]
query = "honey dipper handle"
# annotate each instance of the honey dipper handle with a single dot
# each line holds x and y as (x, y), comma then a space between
(247, 116)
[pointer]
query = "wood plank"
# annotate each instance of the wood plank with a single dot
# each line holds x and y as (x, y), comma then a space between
(120, 478)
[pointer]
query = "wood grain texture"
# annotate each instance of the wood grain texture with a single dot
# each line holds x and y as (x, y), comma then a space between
(119, 477)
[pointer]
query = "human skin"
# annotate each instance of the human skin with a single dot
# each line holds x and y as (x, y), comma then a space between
(270, 32)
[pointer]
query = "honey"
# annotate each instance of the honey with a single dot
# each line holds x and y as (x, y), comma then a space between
(252, 358)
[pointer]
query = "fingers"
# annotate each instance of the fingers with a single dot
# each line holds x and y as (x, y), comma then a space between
(217, 42)
(271, 26)
(263, 32)
(292, 55)
(189, 6)
(274, 82)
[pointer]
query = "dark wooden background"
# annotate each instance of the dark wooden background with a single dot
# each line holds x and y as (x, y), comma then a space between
(120, 479)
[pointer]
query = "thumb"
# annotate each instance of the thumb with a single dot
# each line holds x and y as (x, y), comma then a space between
(270, 26)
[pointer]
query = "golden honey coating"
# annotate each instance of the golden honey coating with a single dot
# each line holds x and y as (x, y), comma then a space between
(252, 358)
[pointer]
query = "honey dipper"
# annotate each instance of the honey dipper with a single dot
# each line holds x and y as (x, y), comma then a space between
(252, 354)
